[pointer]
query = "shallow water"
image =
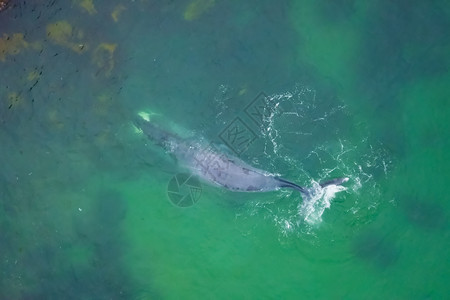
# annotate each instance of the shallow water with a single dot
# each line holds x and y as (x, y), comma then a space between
(309, 90)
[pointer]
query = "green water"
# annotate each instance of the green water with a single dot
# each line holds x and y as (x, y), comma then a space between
(351, 89)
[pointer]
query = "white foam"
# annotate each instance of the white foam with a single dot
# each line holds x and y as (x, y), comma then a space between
(312, 208)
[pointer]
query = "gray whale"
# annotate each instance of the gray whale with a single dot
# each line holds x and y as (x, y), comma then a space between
(214, 166)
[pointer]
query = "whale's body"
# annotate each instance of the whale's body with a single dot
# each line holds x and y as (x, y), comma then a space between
(212, 165)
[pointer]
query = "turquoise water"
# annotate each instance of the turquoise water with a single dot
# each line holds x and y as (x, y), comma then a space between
(345, 89)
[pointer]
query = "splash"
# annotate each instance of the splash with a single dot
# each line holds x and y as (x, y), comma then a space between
(312, 208)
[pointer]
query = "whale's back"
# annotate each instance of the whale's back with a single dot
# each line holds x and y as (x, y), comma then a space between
(211, 164)
(226, 171)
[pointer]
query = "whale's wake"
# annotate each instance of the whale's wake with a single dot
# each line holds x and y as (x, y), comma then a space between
(306, 136)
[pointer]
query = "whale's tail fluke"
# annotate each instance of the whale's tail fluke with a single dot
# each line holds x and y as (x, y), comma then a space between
(306, 193)
(335, 181)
